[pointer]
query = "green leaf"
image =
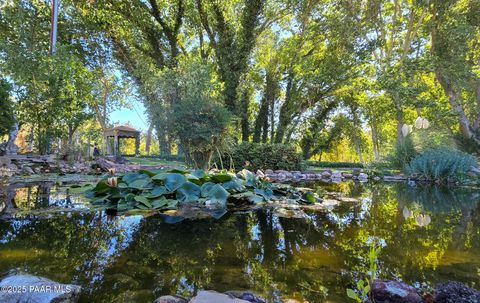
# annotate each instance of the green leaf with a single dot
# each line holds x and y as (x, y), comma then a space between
(234, 184)
(160, 176)
(352, 294)
(102, 187)
(160, 203)
(131, 177)
(188, 192)
(309, 197)
(205, 188)
(80, 189)
(218, 194)
(174, 181)
(220, 178)
(157, 192)
(141, 184)
(199, 173)
(267, 194)
(150, 172)
(143, 200)
(178, 171)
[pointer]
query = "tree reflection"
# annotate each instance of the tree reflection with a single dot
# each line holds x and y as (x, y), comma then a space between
(135, 259)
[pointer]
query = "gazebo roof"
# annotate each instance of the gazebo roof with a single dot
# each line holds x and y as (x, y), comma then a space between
(122, 131)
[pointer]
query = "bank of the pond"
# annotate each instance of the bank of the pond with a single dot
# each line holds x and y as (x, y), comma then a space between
(34, 165)
(363, 175)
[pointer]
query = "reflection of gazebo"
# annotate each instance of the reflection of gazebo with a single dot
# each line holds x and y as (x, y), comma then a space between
(119, 132)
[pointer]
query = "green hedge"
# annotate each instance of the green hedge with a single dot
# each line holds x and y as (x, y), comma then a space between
(254, 156)
(334, 164)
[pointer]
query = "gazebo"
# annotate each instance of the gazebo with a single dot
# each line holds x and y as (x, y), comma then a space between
(120, 132)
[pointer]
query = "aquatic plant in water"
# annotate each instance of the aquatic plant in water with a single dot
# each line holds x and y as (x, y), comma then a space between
(163, 190)
(362, 291)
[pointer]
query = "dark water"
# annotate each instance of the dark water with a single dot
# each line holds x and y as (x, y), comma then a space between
(136, 259)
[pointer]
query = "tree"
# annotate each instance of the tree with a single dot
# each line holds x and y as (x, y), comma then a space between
(455, 37)
(7, 119)
(52, 90)
(200, 120)
(232, 40)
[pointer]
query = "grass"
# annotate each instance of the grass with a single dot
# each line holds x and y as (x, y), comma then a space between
(156, 161)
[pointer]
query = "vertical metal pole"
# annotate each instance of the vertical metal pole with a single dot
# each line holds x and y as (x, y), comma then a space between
(54, 22)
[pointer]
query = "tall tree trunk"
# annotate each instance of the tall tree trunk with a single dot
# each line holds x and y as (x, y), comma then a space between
(149, 139)
(244, 116)
(260, 121)
(285, 111)
(376, 149)
(165, 146)
(400, 119)
(454, 99)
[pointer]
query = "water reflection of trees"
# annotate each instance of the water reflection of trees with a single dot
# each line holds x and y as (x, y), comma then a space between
(137, 260)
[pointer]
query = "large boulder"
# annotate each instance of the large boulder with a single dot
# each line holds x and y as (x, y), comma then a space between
(246, 295)
(394, 292)
(455, 292)
(170, 299)
(33, 289)
(208, 296)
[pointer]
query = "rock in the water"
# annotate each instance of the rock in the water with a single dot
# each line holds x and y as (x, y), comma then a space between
(394, 292)
(208, 296)
(394, 178)
(28, 170)
(475, 170)
(170, 299)
(337, 175)
(33, 289)
(362, 176)
(247, 296)
(326, 174)
(455, 292)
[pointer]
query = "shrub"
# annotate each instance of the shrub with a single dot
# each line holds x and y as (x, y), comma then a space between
(254, 156)
(327, 164)
(201, 125)
(403, 153)
(441, 164)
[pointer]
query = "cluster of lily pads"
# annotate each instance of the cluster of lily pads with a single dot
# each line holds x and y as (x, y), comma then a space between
(162, 190)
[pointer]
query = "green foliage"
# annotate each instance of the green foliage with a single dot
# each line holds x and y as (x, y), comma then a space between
(163, 190)
(403, 153)
(201, 126)
(254, 156)
(362, 291)
(6, 108)
(441, 164)
(327, 164)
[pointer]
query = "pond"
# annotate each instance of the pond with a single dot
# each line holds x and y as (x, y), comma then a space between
(429, 234)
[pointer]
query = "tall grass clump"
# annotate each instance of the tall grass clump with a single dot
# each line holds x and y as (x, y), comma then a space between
(441, 164)
(403, 153)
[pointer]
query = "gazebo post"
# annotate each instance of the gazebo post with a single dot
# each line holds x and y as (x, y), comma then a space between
(116, 147)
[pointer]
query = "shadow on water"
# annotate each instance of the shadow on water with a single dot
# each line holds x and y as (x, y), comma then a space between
(431, 234)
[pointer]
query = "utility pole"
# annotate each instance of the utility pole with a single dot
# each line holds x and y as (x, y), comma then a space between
(54, 23)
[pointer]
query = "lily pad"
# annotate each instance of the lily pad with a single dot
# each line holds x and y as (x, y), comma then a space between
(205, 188)
(218, 194)
(157, 192)
(188, 192)
(173, 181)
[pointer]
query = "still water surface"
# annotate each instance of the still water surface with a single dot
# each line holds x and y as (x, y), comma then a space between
(429, 234)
